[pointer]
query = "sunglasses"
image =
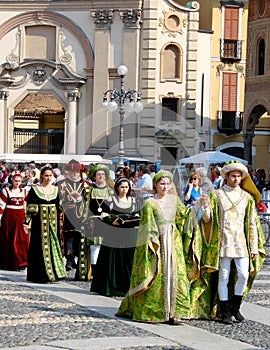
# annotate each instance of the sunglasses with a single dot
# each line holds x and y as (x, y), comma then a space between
(193, 178)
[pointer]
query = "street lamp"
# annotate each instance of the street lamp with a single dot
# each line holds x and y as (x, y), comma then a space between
(114, 99)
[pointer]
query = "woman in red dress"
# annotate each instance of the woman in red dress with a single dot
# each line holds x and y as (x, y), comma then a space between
(14, 240)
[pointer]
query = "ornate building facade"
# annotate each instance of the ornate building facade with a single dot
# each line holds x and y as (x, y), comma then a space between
(257, 103)
(59, 57)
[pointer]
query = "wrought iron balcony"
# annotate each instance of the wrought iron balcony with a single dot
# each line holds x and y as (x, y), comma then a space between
(230, 49)
(230, 122)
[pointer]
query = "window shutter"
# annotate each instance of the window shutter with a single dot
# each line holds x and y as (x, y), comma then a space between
(231, 24)
(229, 92)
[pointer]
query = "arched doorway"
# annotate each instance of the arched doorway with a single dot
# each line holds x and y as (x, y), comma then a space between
(254, 122)
(39, 124)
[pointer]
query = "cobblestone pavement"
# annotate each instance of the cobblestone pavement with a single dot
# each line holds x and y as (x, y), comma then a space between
(30, 316)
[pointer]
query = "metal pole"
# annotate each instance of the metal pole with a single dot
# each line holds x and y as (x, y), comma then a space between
(121, 151)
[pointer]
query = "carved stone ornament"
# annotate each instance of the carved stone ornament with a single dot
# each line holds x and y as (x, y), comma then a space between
(103, 18)
(66, 58)
(13, 58)
(73, 96)
(172, 23)
(131, 18)
(220, 68)
(4, 95)
(39, 76)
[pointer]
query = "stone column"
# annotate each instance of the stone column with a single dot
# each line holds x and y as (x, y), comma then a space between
(71, 121)
(192, 144)
(103, 21)
(248, 136)
(131, 56)
(147, 138)
(3, 120)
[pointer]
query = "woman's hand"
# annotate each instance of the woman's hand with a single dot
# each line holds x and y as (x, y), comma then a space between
(205, 200)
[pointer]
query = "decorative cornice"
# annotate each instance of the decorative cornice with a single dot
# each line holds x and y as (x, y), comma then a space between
(132, 18)
(103, 18)
(191, 6)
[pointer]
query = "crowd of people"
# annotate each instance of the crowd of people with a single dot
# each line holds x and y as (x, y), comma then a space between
(133, 237)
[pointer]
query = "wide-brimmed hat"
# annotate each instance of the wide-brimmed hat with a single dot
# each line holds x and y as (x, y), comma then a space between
(234, 165)
(73, 165)
(97, 167)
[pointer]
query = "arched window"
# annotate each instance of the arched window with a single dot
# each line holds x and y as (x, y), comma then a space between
(171, 63)
(260, 57)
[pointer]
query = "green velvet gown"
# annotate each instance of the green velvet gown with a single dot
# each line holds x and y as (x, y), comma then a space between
(159, 285)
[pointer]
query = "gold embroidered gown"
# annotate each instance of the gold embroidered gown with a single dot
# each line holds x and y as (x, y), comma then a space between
(159, 285)
(45, 263)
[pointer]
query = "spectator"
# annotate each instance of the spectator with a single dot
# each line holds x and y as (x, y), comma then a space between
(218, 180)
(32, 165)
(3, 174)
(192, 192)
(152, 170)
(144, 186)
(206, 184)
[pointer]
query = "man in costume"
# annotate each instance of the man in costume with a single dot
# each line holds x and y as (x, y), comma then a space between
(232, 244)
(101, 189)
(72, 192)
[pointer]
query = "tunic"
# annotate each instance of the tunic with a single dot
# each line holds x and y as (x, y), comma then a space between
(73, 226)
(45, 263)
(114, 263)
(14, 241)
(159, 284)
(211, 243)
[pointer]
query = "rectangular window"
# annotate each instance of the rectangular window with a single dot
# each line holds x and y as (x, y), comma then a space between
(231, 23)
(231, 46)
(40, 42)
(170, 109)
(229, 92)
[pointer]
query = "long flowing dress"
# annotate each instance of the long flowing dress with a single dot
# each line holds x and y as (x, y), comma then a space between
(45, 262)
(14, 241)
(114, 263)
(159, 284)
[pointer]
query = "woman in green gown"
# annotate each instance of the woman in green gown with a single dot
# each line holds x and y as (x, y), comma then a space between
(114, 263)
(45, 262)
(159, 289)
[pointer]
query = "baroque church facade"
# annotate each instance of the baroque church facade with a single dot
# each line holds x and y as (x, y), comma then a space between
(58, 58)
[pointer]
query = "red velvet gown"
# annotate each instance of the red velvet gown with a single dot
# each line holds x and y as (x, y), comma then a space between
(14, 242)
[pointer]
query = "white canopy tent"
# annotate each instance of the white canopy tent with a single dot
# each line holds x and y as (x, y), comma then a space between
(210, 157)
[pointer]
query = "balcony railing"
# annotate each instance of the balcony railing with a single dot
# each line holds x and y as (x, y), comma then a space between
(231, 49)
(230, 122)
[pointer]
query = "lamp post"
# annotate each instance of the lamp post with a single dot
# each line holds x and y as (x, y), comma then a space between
(114, 99)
